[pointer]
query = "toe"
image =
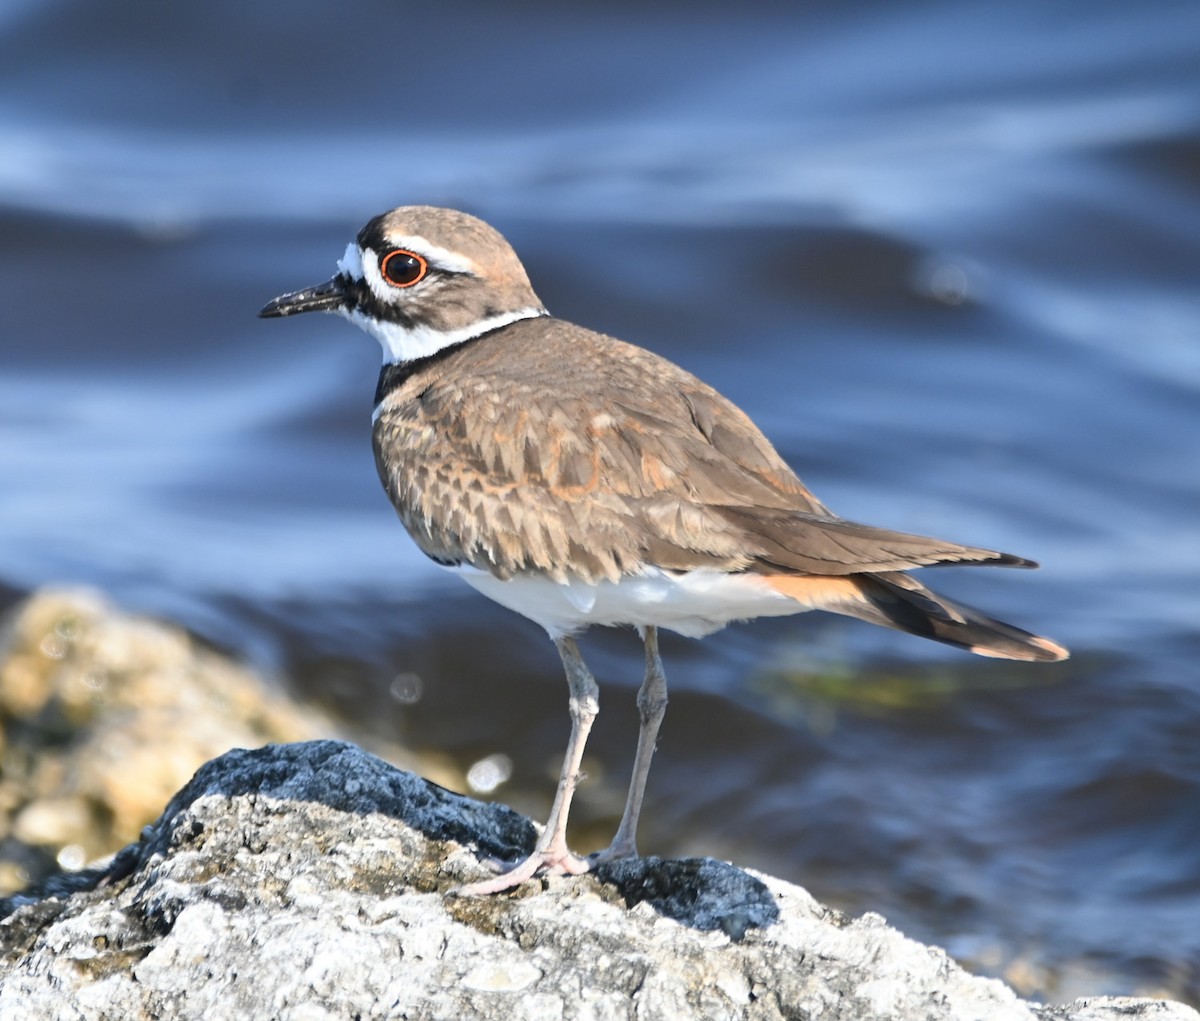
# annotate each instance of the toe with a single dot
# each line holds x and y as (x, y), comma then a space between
(545, 862)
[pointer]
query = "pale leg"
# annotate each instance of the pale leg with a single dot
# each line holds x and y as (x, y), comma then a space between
(652, 706)
(551, 852)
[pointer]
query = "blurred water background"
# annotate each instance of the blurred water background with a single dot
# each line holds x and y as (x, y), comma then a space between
(945, 254)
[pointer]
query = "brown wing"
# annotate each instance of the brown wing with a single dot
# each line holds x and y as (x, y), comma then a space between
(548, 447)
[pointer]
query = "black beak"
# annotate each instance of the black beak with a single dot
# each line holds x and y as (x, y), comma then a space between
(327, 297)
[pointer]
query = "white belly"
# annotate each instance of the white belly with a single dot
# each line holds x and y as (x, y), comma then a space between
(692, 604)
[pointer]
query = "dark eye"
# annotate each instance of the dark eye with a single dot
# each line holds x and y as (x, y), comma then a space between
(402, 268)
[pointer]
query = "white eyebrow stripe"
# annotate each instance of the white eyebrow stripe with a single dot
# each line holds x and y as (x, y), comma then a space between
(351, 262)
(442, 258)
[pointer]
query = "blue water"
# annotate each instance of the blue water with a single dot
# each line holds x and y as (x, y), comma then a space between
(946, 255)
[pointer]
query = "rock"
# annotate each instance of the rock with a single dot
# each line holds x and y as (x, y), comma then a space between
(104, 715)
(312, 881)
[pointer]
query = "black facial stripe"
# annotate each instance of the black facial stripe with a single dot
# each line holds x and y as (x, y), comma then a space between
(372, 237)
(360, 298)
(358, 294)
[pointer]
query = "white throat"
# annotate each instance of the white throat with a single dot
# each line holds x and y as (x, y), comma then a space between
(401, 344)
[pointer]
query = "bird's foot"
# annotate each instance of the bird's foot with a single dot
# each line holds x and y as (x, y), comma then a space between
(549, 862)
(615, 851)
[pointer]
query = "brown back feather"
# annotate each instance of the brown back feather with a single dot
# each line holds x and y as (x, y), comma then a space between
(545, 446)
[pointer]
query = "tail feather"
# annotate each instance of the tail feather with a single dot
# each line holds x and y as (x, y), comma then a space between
(898, 601)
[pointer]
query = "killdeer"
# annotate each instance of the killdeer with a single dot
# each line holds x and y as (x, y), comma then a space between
(580, 480)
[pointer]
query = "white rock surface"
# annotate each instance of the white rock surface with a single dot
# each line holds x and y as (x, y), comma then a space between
(312, 881)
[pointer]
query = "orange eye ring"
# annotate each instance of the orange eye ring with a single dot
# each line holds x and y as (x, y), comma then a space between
(402, 268)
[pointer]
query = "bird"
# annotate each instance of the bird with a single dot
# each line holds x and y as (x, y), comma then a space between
(582, 481)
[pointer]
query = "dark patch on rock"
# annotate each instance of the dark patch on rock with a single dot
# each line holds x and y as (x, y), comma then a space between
(699, 892)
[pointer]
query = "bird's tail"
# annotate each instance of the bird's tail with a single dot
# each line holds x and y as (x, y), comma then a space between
(898, 601)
